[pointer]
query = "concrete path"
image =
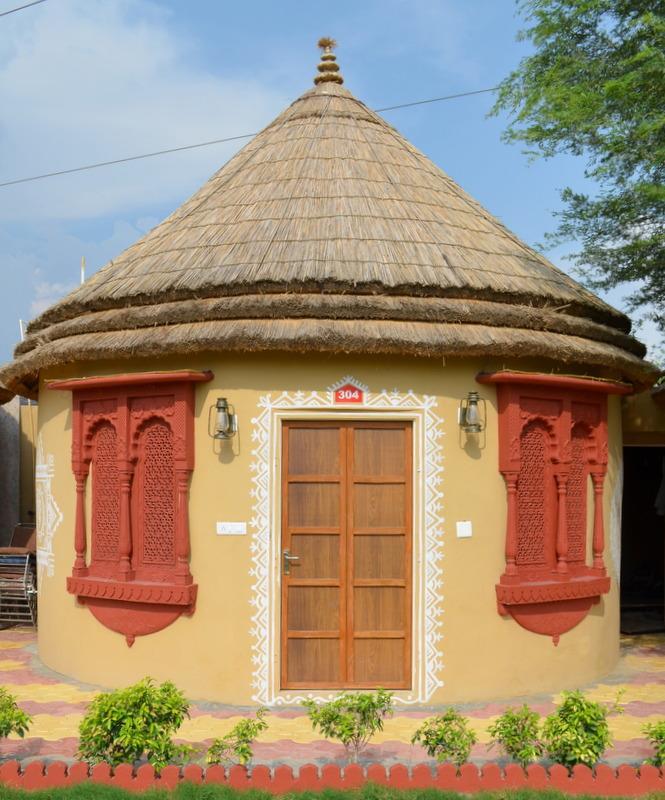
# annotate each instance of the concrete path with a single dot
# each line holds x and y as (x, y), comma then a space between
(57, 704)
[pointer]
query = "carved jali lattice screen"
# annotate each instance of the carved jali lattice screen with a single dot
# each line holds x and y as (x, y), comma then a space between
(532, 513)
(105, 494)
(156, 510)
(578, 479)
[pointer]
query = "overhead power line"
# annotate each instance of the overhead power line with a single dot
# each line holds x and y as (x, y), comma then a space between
(99, 164)
(20, 8)
(128, 158)
(436, 99)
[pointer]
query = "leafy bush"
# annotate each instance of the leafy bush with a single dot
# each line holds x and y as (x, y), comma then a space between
(124, 725)
(656, 735)
(12, 718)
(352, 718)
(236, 746)
(446, 737)
(577, 732)
(516, 733)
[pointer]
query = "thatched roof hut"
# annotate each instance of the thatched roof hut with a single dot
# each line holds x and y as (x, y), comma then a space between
(330, 232)
(197, 466)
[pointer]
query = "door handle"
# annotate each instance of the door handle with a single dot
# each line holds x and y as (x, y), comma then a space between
(288, 558)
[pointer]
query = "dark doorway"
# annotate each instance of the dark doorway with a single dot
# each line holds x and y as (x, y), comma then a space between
(643, 541)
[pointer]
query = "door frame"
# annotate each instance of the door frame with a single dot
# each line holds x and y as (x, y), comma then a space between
(428, 524)
(346, 581)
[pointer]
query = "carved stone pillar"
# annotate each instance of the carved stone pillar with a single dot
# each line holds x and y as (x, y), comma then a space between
(511, 522)
(182, 573)
(125, 474)
(598, 479)
(80, 538)
(562, 523)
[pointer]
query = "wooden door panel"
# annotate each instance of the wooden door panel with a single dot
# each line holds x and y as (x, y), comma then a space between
(379, 608)
(379, 505)
(313, 662)
(378, 662)
(346, 515)
(314, 451)
(313, 608)
(314, 505)
(318, 554)
(379, 556)
(377, 450)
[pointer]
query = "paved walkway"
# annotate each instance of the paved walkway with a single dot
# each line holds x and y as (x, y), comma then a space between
(57, 704)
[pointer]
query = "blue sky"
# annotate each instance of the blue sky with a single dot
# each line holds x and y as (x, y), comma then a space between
(90, 80)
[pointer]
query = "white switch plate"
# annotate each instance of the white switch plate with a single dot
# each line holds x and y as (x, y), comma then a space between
(464, 529)
(231, 528)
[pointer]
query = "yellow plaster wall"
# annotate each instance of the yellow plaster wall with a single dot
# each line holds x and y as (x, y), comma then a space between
(209, 654)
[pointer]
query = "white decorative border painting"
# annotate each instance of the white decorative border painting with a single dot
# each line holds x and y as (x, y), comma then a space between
(49, 515)
(428, 530)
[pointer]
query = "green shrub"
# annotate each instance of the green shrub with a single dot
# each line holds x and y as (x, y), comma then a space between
(351, 718)
(577, 732)
(446, 737)
(236, 746)
(517, 735)
(124, 725)
(12, 718)
(656, 735)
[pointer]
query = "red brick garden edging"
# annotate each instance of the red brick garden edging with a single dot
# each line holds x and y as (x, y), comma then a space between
(603, 780)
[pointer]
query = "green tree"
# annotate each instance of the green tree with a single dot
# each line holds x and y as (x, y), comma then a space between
(595, 87)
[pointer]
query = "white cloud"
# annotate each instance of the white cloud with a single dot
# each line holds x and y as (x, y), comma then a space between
(89, 80)
(46, 294)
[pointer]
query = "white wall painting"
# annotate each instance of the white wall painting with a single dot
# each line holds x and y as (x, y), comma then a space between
(49, 515)
(428, 531)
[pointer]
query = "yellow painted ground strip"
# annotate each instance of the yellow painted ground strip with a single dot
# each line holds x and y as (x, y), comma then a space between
(52, 727)
(8, 664)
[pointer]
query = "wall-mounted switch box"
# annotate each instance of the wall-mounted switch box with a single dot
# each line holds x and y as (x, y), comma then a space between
(231, 528)
(464, 529)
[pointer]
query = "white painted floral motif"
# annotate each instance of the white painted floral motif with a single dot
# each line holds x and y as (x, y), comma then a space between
(49, 515)
(265, 535)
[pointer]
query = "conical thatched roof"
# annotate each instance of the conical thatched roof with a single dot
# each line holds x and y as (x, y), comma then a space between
(330, 232)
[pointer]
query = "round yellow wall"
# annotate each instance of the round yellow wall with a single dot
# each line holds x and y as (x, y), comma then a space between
(209, 655)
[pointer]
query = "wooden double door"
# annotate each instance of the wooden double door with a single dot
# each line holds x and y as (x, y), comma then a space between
(346, 554)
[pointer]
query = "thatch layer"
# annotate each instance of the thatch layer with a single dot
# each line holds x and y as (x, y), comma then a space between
(324, 335)
(330, 232)
(332, 307)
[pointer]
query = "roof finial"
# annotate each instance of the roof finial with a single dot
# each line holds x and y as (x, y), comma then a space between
(328, 68)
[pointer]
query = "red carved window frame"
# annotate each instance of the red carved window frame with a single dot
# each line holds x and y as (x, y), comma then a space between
(552, 440)
(133, 454)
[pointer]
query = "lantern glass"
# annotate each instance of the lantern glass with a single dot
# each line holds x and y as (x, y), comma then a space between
(225, 426)
(471, 416)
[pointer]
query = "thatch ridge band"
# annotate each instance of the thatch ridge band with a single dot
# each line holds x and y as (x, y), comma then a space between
(290, 306)
(70, 309)
(328, 336)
